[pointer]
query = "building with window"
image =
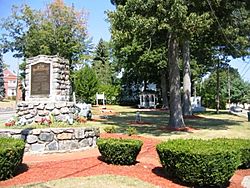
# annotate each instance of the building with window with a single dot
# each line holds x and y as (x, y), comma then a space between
(10, 85)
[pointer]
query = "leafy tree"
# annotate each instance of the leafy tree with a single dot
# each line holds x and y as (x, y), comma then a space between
(101, 64)
(142, 27)
(86, 84)
(57, 30)
(239, 89)
(2, 91)
(142, 55)
(105, 71)
(112, 92)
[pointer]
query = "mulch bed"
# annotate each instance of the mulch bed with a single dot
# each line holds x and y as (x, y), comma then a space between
(184, 129)
(192, 117)
(139, 123)
(42, 168)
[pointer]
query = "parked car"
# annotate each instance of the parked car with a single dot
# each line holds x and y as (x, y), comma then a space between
(236, 109)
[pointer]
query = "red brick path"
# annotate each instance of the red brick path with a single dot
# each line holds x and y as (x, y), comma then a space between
(42, 168)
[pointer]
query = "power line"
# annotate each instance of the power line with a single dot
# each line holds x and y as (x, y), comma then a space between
(246, 70)
(227, 40)
(216, 18)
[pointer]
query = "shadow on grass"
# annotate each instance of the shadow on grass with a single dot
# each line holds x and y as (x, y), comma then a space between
(155, 122)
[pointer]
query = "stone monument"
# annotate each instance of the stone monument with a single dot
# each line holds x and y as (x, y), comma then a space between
(47, 78)
(47, 90)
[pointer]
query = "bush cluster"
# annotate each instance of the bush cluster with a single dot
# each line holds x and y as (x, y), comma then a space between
(241, 146)
(131, 131)
(11, 155)
(110, 129)
(119, 151)
(202, 162)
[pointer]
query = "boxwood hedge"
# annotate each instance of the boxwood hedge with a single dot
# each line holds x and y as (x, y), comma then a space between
(11, 155)
(199, 162)
(241, 146)
(119, 151)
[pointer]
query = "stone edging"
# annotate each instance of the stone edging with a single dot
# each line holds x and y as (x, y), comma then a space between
(55, 139)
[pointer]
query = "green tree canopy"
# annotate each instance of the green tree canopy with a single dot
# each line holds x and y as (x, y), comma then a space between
(104, 67)
(57, 30)
(86, 84)
(229, 79)
(147, 35)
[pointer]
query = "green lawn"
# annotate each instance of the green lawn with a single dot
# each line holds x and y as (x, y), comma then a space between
(209, 125)
(106, 181)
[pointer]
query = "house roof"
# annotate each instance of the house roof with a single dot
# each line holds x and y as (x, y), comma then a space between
(8, 73)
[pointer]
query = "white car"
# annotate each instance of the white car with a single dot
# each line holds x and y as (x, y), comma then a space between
(236, 109)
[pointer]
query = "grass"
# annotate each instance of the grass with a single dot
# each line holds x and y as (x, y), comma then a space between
(209, 125)
(104, 181)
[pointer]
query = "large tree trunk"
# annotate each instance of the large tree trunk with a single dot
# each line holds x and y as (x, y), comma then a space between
(187, 110)
(176, 118)
(164, 89)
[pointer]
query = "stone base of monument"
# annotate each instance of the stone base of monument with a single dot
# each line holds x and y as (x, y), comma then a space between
(30, 112)
(54, 139)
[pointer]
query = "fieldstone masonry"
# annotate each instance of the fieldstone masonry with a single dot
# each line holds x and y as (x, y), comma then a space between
(55, 139)
(34, 111)
(47, 91)
(47, 78)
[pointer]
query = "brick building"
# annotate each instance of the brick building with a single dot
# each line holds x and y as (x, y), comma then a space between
(10, 85)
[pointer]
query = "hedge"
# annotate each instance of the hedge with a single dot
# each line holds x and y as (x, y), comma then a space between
(198, 162)
(11, 155)
(119, 151)
(241, 146)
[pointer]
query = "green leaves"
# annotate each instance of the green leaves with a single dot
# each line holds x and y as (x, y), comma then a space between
(86, 84)
(202, 162)
(58, 30)
(238, 88)
(119, 151)
(11, 155)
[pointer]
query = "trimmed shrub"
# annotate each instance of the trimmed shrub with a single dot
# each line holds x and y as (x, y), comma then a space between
(131, 131)
(110, 129)
(198, 162)
(11, 155)
(241, 146)
(119, 151)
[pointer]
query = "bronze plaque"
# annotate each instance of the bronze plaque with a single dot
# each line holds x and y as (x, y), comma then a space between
(40, 79)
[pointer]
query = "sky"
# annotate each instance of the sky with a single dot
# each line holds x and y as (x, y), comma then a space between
(98, 27)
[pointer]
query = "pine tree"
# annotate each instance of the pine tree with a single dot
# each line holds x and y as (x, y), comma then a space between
(101, 63)
(2, 92)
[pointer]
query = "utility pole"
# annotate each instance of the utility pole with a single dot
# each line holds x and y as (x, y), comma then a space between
(218, 88)
(229, 88)
(17, 75)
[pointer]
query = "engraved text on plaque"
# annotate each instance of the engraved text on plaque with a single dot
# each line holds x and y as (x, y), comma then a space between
(40, 79)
